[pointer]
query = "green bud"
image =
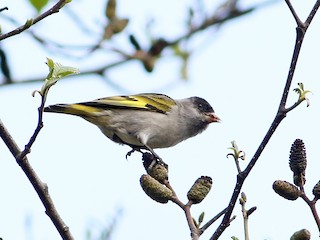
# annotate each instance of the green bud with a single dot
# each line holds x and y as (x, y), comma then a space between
(155, 190)
(243, 198)
(303, 234)
(286, 190)
(201, 217)
(29, 23)
(200, 189)
(316, 190)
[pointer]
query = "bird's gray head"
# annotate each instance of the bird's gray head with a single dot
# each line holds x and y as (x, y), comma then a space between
(205, 108)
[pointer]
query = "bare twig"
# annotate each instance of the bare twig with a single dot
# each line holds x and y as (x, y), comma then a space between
(56, 72)
(214, 20)
(281, 114)
(40, 187)
(312, 205)
(98, 71)
(212, 220)
(56, 8)
(195, 233)
(294, 14)
(27, 148)
(194, 230)
(4, 8)
(245, 214)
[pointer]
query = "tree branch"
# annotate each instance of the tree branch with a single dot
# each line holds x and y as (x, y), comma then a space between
(40, 187)
(125, 58)
(281, 114)
(212, 220)
(312, 206)
(56, 8)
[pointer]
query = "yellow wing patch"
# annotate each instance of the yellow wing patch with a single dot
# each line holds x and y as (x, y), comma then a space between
(149, 101)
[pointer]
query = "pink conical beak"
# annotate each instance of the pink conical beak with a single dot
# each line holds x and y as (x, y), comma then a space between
(212, 117)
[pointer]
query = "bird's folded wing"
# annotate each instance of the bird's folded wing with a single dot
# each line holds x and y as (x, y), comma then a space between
(148, 102)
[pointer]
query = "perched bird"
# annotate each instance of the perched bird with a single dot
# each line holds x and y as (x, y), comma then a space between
(144, 121)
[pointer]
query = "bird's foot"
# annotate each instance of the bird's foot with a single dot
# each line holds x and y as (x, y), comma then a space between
(134, 149)
(150, 160)
(129, 153)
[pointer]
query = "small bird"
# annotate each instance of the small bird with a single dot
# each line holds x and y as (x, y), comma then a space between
(144, 121)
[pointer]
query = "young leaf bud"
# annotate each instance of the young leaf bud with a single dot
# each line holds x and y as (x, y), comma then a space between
(154, 189)
(251, 210)
(286, 190)
(298, 157)
(303, 234)
(118, 25)
(111, 9)
(200, 189)
(316, 190)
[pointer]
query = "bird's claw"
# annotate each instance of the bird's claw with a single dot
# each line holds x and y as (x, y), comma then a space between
(129, 153)
(132, 151)
(155, 158)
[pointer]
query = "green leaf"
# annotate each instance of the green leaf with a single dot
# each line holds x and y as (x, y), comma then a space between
(302, 93)
(39, 4)
(56, 72)
(236, 152)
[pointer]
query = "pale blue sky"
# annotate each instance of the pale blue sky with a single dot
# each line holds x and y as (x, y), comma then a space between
(240, 69)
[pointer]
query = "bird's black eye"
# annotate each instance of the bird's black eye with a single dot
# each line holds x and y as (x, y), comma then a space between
(202, 105)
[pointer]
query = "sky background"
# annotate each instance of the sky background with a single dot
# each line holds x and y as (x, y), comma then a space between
(240, 69)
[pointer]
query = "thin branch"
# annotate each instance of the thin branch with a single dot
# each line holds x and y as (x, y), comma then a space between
(294, 14)
(47, 44)
(27, 148)
(245, 214)
(4, 8)
(281, 114)
(99, 71)
(195, 234)
(300, 33)
(312, 14)
(315, 214)
(214, 20)
(40, 187)
(56, 8)
(312, 205)
(212, 220)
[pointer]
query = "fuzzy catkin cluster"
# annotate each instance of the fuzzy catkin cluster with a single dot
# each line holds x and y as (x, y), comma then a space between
(298, 162)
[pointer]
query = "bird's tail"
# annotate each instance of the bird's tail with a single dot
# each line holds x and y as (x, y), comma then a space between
(73, 109)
